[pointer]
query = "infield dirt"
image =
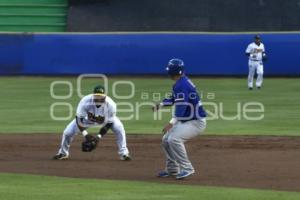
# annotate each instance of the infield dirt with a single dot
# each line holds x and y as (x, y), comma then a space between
(239, 161)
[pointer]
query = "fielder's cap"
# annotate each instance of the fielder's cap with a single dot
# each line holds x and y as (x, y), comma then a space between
(99, 90)
(257, 37)
(175, 67)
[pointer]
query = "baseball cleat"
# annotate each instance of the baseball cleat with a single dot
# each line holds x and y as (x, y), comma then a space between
(60, 156)
(125, 158)
(258, 88)
(184, 174)
(164, 174)
(250, 88)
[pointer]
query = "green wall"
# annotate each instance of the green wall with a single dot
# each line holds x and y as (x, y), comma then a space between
(33, 15)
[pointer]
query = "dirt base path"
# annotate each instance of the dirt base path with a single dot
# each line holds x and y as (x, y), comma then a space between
(248, 162)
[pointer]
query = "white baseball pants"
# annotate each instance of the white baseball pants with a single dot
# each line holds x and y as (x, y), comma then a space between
(255, 66)
(72, 129)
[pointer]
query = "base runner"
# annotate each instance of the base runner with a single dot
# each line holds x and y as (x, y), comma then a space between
(188, 122)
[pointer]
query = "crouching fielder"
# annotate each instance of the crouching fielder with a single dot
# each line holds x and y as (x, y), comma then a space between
(188, 122)
(95, 109)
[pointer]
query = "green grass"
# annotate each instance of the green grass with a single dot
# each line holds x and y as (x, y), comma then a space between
(25, 104)
(15, 187)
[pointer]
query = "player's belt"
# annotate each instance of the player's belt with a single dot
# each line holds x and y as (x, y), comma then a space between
(255, 60)
(183, 121)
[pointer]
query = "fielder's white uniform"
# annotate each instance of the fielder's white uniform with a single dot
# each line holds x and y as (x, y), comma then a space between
(108, 110)
(255, 63)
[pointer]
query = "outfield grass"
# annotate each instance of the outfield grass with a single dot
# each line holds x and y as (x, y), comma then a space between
(25, 104)
(28, 187)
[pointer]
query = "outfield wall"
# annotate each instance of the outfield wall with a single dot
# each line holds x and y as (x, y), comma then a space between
(148, 53)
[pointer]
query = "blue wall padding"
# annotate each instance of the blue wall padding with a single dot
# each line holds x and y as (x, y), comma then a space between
(144, 53)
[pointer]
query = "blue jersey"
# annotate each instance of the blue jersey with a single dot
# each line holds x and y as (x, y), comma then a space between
(186, 99)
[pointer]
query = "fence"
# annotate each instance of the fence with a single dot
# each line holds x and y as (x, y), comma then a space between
(143, 53)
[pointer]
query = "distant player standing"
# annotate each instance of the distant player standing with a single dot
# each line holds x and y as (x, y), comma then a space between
(256, 53)
(188, 122)
(94, 109)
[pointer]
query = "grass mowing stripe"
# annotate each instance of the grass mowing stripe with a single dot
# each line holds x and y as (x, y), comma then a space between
(16, 186)
(25, 104)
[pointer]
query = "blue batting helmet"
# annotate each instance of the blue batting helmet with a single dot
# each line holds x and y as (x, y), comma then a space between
(175, 67)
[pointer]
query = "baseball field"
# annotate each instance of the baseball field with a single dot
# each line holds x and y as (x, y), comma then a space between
(250, 150)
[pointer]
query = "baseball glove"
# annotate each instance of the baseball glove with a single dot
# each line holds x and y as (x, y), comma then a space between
(264, 57)
(89, 144)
